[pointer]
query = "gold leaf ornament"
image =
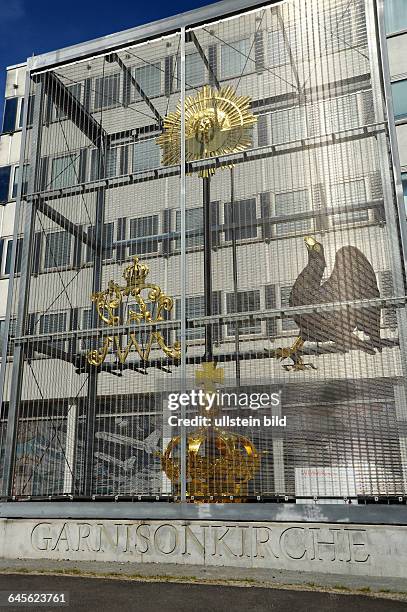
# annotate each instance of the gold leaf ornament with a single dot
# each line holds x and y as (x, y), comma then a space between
(216, 123)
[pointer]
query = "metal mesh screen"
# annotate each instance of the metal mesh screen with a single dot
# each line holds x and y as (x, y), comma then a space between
(99, 191)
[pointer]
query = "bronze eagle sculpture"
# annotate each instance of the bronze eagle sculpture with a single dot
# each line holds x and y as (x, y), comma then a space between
(352, 278)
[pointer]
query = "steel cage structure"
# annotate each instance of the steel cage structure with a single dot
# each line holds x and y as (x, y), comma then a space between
(223, 237)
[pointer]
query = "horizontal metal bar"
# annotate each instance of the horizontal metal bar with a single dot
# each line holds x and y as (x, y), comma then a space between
(358, 514)
(258, 315)
(219, 162)
(289, 218)
(155, 29)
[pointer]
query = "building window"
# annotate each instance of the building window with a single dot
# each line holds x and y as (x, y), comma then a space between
(107, 242)
(399, 91)
(395, 12)
(195, 309)
(10, 115)
(347, 195)
(247, 301)
(338, 29)
(57, 250)
(112, 161)
(289, 203)
(63, 173)
(234, 58)
(8, 254)
(52, 323)
(288, 125)
(279, 50)
(149, 79)
(86, 323)
(404, 182)
(5, 172)
(76, 91)
(107, 91)
(243, 216)
(24, 188)
(146, 155)
(194, 70)
(145, 228)
(193, 223)
(334, 115)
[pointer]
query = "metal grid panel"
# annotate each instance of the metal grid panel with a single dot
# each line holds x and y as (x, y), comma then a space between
(317, 165)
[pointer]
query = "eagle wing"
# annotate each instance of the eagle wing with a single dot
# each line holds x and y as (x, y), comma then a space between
(353, 278)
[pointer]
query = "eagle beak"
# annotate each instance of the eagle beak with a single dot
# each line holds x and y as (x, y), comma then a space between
(310, 242)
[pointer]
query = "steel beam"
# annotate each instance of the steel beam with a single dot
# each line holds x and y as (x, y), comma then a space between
(113, 57)
(66, 102)
(193, 38)
(96, 286)
(63, 222)
(30, 212)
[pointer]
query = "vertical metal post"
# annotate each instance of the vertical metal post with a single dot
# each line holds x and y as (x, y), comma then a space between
(398, 229)
(24, 286)
(395, 231)
(183, 466)
(207, 265)
(70, 443)
(96, 286)
(235, 275)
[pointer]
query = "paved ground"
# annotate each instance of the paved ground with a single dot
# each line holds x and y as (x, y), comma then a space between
(272, 577)
(118, 595)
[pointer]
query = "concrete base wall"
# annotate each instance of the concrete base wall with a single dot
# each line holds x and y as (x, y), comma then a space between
(364, 550)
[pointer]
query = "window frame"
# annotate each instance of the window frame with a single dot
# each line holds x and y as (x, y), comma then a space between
(114, 101)
(135, 97)
(148, 237)
(65, 266)
(75, 167)
(247, 58)
(231, 326)
(254, 226)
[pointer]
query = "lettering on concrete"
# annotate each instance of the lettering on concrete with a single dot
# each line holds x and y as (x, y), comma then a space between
(301, 544)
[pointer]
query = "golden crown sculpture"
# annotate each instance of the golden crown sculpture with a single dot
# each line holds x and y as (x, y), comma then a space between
(219, 463)
(148, 309)
(216, 123)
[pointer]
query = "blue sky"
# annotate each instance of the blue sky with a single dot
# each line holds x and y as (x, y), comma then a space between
(30, 27)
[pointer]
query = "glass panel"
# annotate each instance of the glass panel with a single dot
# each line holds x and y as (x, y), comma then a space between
(290, 203)
(247, 301)
(243, 216)
(346, 195)
(146, 155)
(64, 172)
(195, 308)
(149, 79)
(57, 250)
(404, 182)
(143, 228)
(194, 223)
(395, 12)
(107, 91)
(234, 58)
(399, 90)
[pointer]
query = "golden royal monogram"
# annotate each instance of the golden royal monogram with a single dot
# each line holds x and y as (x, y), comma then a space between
(145, 311)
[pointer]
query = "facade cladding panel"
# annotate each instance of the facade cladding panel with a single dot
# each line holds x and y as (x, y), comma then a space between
(98, 194)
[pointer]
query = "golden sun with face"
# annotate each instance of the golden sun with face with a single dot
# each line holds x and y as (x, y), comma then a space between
(216, 123)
